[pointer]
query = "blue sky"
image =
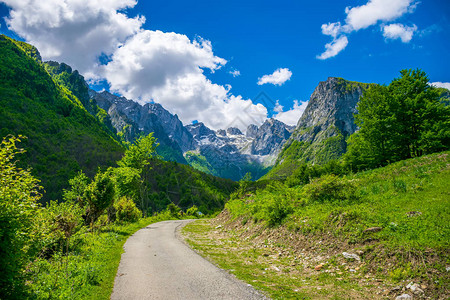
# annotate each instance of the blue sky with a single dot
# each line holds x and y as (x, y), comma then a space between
(191, 77)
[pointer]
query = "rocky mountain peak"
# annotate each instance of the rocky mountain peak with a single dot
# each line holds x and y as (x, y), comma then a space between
(199, 130)
(252, 130)
(234, 131)
(270, 137)
(221, 132)
(333, 103)
(328, 119)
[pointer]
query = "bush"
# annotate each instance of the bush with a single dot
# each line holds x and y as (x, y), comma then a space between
(62, 221)
(126, 210)
(174, 210)
(19, 193)
(99, 195)
(330, 188)
(193, 211)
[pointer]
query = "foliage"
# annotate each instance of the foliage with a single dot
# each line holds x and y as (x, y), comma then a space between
(63, 137)
(61, 221)
(403, 120)
(193, 211)
(19, 193)
(126, 210)
(330, 188)
(127, 182)
(408, 199)
(138, 155)
(78, 186)
(174, 210)
(99, 195)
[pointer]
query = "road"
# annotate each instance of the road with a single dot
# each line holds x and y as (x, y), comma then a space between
(156, 264)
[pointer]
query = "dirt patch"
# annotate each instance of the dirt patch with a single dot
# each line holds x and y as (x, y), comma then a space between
(377, 271)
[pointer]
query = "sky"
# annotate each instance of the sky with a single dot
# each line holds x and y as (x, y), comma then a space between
(234, 63)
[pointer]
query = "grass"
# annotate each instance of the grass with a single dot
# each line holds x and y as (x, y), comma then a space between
(271, 268)
(409, 201)
(89, 270)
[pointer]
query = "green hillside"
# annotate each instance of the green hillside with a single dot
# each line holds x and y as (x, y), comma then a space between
(63, 137)
(289, 240)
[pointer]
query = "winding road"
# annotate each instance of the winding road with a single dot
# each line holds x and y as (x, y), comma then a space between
(156, 264)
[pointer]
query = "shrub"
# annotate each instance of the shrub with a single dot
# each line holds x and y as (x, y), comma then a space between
(19, 193)
(193, 211)
(62, 220)
(99, 195)
(330, 188)
(126, 210)
(174, 210)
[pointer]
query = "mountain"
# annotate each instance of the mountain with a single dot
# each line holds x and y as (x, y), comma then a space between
(231, 154)
(131, 119)
(63, 137)
(226, 153)
(71, 128)
(321, 132)
(270, 137)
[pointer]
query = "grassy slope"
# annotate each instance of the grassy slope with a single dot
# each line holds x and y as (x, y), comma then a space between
(62, 136)
(409, 200)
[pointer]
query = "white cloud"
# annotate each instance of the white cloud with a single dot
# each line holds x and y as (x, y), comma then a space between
(399, 31)
(74, 31)
(333, 48)
(278, 77)
(278, 107)
(291, 116)
(168, 68)
(445, 85)
(333, 29)
(361, 17)
(235, 72)
(154, 59)
(143, 65)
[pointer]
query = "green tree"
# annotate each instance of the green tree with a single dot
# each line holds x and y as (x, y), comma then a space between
(99, 195)
(403, 120)
(78, 186)
(138, 155)
(19, 193)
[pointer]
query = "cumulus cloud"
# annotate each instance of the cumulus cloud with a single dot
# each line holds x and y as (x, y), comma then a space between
(333, 48)
(445, 85)
(364, 16)
(143, 65)
(74, 31)
(399, 31)
(290, 117)
(278, 77)
(154, 59)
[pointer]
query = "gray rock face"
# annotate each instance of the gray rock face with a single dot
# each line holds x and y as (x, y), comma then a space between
(232, 154)
(234, 131)
(252, 130)
(199, 130)
(333, 103)
(221, 132)
(329, 114)
(131, 119)
(269, 138)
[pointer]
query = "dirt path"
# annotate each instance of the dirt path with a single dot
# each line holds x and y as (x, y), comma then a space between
(157, 265)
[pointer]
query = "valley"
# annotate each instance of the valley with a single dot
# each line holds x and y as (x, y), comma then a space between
(351, 202)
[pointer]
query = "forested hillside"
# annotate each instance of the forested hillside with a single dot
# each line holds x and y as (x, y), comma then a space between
(62, 137)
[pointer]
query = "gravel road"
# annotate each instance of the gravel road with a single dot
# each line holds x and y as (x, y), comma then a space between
(156, 264)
